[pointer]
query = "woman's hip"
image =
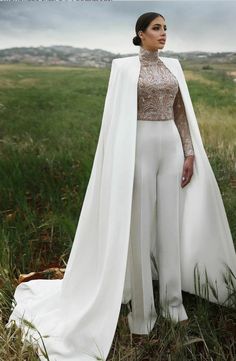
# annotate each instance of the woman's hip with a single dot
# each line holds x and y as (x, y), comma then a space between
(160, 141)
(162, 133)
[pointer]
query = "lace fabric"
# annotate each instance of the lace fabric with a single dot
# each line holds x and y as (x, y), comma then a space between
(159, 96)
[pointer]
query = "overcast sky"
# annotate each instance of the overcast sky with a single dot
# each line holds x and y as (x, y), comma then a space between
(109, 25)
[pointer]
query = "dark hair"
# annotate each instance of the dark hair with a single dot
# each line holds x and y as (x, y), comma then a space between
(142, 23)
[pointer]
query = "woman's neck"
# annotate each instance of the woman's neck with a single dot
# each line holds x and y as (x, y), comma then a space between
(148, 55)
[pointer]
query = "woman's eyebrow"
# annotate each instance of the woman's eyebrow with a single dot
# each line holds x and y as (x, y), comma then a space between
(158, 24)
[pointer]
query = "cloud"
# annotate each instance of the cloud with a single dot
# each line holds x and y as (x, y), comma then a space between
(109, 25)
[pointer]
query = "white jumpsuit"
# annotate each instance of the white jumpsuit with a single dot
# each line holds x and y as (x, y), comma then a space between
(163, 141)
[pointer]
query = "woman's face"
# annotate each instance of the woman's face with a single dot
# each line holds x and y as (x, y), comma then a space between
(154, 36)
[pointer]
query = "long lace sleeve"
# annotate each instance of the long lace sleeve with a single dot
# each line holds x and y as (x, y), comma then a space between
(181, 122)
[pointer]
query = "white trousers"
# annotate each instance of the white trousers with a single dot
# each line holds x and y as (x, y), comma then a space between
(155, 225)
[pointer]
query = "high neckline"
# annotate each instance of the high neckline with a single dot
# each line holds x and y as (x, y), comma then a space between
(148, 56)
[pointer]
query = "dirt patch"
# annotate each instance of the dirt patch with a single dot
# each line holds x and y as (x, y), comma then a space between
(232, 73)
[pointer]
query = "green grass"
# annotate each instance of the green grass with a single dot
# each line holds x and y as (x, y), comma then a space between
(49, 125)
(49, 132)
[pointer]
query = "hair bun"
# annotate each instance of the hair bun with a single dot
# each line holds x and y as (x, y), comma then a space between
(136, 40)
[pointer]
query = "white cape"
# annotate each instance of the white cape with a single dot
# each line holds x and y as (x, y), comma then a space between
(79, 314)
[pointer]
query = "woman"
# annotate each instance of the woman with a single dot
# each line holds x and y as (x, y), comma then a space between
(77, 316)
(161, 156)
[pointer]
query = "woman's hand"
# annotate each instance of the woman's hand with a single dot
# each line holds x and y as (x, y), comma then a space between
(187, 170)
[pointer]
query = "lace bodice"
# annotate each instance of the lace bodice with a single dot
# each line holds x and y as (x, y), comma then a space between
(159, 96)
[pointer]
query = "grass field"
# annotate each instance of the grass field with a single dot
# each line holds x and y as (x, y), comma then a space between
(49, 125)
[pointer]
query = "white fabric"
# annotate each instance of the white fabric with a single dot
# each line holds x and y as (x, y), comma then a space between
(157, 201)
(80, 312)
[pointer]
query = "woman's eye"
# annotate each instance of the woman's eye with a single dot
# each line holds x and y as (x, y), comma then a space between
(156, 28)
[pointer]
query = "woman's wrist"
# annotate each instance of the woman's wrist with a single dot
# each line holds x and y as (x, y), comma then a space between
(190, 156)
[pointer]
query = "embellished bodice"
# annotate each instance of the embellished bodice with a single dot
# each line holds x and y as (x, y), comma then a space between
(159, 96)
(157, 87)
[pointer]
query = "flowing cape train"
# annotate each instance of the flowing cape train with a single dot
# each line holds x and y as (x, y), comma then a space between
(77, 316)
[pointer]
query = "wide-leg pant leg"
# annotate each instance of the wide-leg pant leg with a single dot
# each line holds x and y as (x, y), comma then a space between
(143, 222)
(169, 197)
(156, 209)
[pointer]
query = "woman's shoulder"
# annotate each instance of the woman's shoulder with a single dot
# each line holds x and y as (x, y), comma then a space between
(168, 58)
(174, 61)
